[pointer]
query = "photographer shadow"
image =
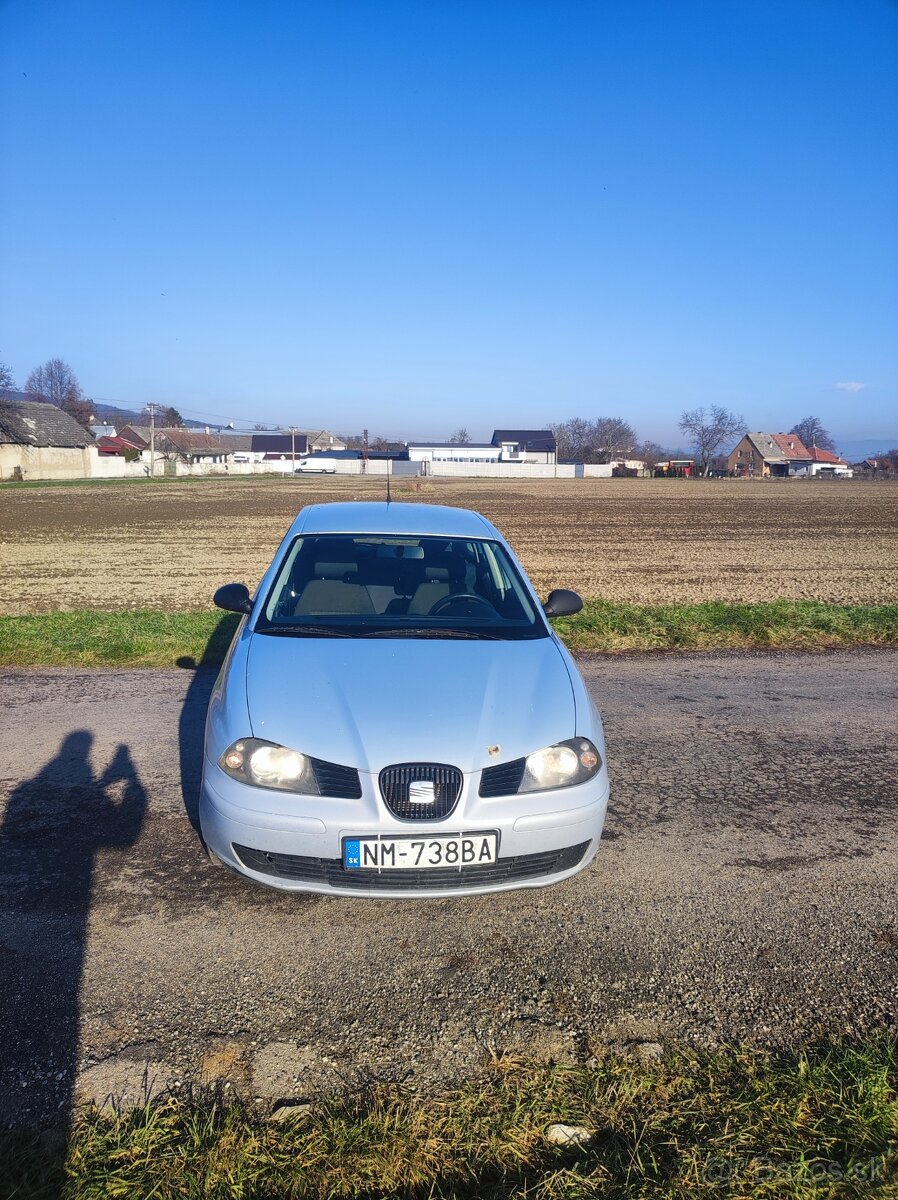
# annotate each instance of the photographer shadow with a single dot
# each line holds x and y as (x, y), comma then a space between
(53, 829)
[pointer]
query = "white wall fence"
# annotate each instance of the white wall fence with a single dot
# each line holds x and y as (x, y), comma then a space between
(89, 464)
(380, 466)
(457, 470)
(44, 462)
(502, 470)
(112, 466)
(342, 466)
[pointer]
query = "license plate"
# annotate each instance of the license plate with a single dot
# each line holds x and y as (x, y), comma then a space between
(412, 853)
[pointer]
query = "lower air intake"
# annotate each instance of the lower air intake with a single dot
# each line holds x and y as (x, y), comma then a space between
(330, 871)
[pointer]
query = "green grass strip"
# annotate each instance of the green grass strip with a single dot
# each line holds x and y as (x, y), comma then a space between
(734, 1123)
(788, 624)
(145, 638)
(146, 480)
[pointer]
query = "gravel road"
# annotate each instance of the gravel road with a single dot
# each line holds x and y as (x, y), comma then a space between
(746, 890)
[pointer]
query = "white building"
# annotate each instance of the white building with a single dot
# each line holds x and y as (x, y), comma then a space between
(471, 452)
(506, 446)
(526, 445)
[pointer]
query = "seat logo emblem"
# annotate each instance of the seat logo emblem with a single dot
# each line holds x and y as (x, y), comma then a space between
(421, 791)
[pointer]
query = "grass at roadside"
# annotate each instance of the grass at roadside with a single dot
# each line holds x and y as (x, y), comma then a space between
(787, 624)
(18, 485)
(821, 1122)
(145, 638)
(87, 638)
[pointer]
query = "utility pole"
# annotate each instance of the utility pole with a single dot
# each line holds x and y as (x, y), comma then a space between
(293, 448)
(365, 452)
(152, 408)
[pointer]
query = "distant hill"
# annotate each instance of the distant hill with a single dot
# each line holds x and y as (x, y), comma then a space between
(112, 414)
(859, 450)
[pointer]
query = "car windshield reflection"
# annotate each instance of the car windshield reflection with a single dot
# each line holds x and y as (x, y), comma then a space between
(389, 586)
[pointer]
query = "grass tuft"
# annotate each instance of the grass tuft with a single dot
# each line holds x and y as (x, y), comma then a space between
(820, 1122)
(146, 638)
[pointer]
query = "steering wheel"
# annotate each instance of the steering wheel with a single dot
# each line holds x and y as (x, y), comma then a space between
(446, 602)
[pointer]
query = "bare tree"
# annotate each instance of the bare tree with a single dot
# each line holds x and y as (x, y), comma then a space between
(650, 453)
(812, 433)
(571, 438)
(352, 441)
(614, 438)
(461, 437)
(56, 383)
(53, 383)
(598, 441)
(7, 383)
(708, 429)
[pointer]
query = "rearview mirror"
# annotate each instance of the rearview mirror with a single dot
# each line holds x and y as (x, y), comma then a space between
(562, 603)
(234, 597)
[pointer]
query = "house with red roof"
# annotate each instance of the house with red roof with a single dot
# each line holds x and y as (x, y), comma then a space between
(765, 455)
(782, 455)
(117, 445)
(828, 465)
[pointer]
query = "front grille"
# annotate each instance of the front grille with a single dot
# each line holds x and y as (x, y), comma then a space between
(395, 783)
(342, 783)
(502, 780)
(302, 869)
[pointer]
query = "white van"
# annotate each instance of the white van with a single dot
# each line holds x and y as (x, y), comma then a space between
(316, 464)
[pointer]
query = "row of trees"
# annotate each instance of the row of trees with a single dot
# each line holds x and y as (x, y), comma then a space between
(598, 441)
(355, 441)
(709, 431)
(606, 439)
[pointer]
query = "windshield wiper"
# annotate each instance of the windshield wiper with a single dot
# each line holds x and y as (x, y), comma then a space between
(428, 631)
(307, 631)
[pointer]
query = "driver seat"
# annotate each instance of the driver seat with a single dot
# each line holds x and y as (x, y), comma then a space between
(434, 587)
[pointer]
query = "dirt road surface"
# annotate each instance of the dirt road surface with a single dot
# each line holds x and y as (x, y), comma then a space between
(746, 890)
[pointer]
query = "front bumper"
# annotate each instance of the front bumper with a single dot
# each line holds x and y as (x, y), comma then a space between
(295, 842)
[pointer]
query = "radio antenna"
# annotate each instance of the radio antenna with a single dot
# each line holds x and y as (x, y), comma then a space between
(389, 473)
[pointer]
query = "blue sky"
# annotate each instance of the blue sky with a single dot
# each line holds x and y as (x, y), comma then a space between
(413, 216)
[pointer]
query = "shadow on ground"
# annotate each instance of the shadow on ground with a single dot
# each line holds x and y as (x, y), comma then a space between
(54, 827)
(192, 723)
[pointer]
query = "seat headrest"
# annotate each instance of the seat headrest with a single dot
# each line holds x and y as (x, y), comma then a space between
(335, 570)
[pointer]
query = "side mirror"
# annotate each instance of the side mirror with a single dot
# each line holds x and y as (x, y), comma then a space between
(234, 597)
(562, 603)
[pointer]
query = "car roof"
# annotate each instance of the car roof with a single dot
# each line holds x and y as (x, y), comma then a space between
(435, 520)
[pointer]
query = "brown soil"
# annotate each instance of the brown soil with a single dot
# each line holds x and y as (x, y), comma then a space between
(170, 544)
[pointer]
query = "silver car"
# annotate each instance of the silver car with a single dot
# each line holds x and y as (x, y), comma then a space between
(395, 716)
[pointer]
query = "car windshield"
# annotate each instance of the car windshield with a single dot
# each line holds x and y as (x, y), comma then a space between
(386, 586)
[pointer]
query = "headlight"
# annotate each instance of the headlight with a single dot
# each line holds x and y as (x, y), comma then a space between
(267, 765)
(562, 765)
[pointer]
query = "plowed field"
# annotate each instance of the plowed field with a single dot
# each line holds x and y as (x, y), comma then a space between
(169, 544)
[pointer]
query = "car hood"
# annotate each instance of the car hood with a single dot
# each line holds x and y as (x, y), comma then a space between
(371, 703)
